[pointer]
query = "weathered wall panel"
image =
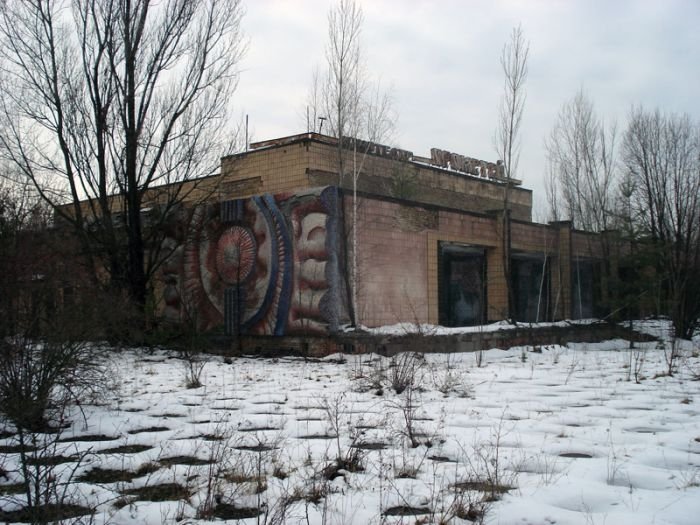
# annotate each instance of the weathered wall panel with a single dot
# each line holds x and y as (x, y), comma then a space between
(266, 265)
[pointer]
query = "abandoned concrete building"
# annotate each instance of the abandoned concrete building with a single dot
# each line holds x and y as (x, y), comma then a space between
(272, 249)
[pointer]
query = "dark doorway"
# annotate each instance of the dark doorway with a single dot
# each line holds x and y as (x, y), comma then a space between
(585, 281)
(530, 282)
(462, 285)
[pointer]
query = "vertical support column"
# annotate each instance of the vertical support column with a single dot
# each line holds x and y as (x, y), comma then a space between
(561, 272)
(432, 276)
(496, 289)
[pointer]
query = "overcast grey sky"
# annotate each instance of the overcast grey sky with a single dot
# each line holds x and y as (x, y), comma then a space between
(441, 59)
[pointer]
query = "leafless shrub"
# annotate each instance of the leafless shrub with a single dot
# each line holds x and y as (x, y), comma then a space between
(613, 464)
(220, 462)
(237, 470)
(479, 354)
(463, 504)
(334, 411)
(407, 405)
(489, 472)
(194, 364)
(672, 352)
(691, 362)
(370, 375)
(556, 354)
(408, 464)
(447, 502)
(47, 468)
(549, 467)
(637, 357)
(40, 379)
(479, 358)
(448, 380)
(689, 478)
(43, 384)
(406, 371)
(350, 457)
(572, 367)
(193, 342)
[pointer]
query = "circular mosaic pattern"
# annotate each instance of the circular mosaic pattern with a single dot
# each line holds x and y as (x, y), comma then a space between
(235, 254)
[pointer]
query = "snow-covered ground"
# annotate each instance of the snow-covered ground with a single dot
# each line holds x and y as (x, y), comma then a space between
(405, 328)
(564, 436)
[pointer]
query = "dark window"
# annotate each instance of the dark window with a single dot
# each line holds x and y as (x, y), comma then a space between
(462, 289)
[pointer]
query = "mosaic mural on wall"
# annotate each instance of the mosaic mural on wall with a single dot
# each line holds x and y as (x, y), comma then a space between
(266, 265)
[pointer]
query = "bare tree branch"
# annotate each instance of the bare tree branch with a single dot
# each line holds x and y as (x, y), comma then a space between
(107, 97)
(358, 112)
(662, 158)
(507, 137)
(514, 65)
(581, 159)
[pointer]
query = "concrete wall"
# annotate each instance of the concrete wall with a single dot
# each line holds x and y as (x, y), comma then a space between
(398, 246)
(270, 170)
(392, 261)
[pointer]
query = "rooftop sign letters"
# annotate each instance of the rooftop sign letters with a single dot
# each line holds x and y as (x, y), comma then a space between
(377, 149)
(457, 162)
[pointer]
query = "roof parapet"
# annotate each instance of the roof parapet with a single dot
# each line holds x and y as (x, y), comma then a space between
(438, 158)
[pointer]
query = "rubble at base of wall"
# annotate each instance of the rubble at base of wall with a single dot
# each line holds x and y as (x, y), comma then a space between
(362, 342)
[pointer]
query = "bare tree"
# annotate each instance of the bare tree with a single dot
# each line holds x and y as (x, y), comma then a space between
(344, 82)
(359, 112)
(314, 113)
(507, 137)
(376, 123)
(581, 159)
(582, 182)
(662, 158)
(106, 104)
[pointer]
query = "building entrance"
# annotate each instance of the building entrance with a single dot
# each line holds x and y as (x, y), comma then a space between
(462, 285)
